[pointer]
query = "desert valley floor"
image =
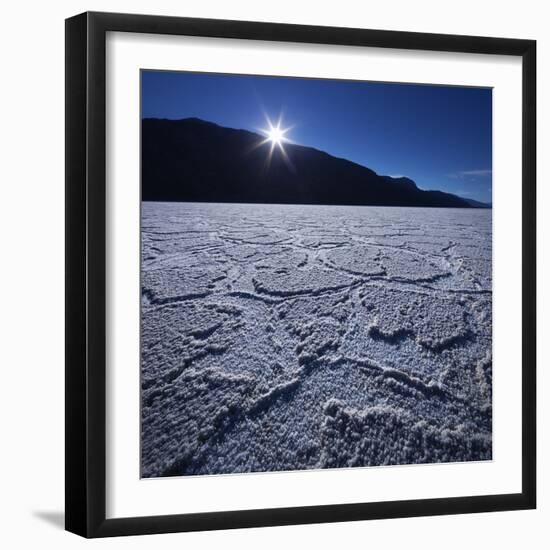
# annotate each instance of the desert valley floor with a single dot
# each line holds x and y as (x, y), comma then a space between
(296, 337)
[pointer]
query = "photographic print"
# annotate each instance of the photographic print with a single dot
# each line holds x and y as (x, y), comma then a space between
(316, 274)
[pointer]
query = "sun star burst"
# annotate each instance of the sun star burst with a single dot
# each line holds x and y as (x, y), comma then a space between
(275, 134)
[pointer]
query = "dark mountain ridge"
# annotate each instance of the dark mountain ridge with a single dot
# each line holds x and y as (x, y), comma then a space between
(198, 161)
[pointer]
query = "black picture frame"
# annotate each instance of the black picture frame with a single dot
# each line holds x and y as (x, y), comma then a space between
(86, 272)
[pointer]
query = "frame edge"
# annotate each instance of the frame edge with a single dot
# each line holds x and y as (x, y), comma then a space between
(76, 494)
(529, 273)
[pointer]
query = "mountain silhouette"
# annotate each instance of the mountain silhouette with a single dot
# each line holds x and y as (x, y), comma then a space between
(198, 161)
(478, 204)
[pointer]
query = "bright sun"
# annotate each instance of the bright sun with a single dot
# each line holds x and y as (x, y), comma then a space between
(275, 135)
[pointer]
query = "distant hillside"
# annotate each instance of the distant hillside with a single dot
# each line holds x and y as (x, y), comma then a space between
(195, 160)
(477, 204)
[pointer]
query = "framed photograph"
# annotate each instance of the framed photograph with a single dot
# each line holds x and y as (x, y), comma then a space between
(300, 274)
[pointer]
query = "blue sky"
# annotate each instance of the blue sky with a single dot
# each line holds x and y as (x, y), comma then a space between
(439, 136)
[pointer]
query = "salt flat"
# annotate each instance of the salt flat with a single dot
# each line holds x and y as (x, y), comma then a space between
(280, 337)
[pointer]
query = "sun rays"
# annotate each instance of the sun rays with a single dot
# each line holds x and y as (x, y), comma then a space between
(275, 136)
